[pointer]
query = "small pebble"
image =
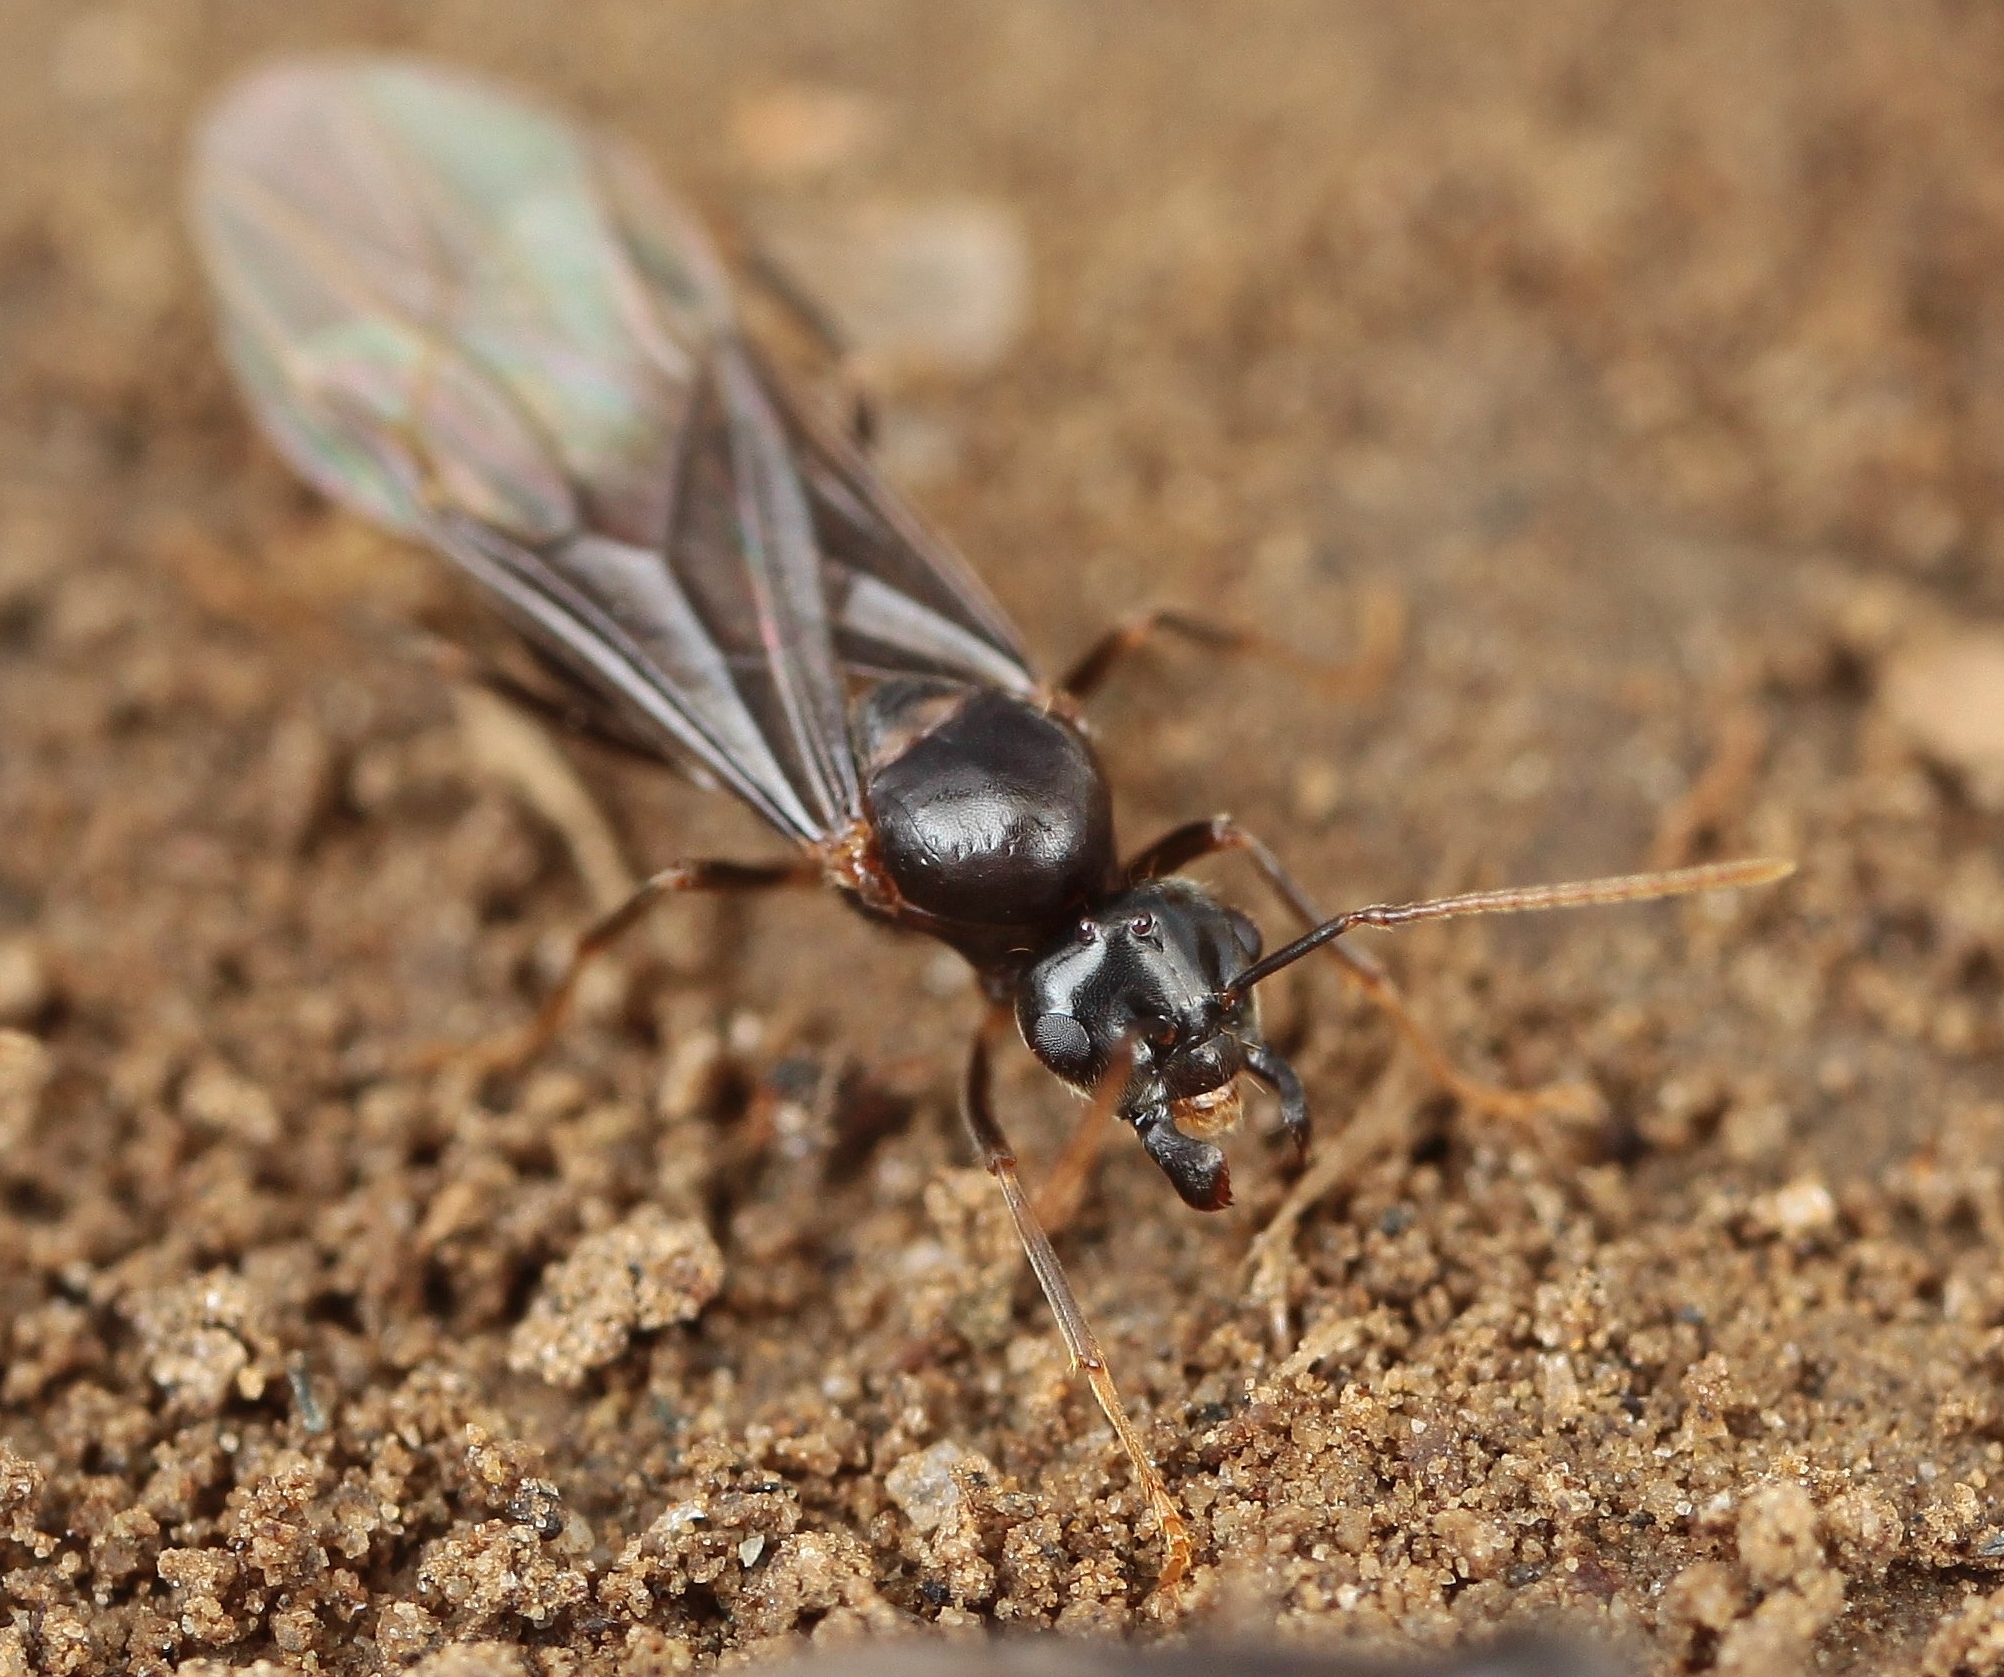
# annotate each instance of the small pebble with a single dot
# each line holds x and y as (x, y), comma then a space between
(301, 780)
(936, 286)
(1318, 789)
(305, 1401)
(1805, 1207)
(923, 1483)
(1946, 696)
(794, 132)
(220, 1098)
(25, 986)
(642, 1274)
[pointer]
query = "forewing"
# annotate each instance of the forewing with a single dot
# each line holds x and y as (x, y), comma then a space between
(463, 317)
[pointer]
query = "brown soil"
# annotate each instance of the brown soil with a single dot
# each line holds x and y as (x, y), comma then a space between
(1652, 356)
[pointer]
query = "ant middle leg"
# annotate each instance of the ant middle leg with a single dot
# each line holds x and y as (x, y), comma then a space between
(1576, 1100)
(998, 1158)
(560, 709)
(1382, 634)
(710, 876)
(1182, 845)
(1194, 840)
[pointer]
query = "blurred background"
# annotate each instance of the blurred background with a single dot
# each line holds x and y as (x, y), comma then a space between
(1642, 362)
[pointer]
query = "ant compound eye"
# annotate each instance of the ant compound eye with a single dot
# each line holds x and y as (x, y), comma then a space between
(1246, 932)
(1142, 925)
(1061, 1043)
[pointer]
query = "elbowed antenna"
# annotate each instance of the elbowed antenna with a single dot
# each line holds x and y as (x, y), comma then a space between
(1521, 899)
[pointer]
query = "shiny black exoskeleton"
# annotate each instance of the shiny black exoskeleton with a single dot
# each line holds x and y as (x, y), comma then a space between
(992, 818)
(990, 814)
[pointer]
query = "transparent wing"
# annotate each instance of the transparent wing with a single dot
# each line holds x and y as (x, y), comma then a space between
(468, 319)
(465, 318)
(903, 602)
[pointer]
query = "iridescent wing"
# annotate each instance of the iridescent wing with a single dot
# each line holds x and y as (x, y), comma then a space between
(477, 324)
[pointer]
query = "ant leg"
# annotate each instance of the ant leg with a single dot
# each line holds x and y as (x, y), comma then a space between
(1567, 1099)
(1383, 634)
(532, 1039)
(992, 1148)
(1737, 756)
(453, 663)
(807, 312)
(1064, 1190)
(1195, 1168)
(1274, 1071)
(1182, 845)
(1379, 1124)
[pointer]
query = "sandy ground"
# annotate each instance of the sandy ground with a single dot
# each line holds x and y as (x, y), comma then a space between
(1651, 358)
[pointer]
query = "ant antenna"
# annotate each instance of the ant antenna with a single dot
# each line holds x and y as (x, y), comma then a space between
(1521, 899)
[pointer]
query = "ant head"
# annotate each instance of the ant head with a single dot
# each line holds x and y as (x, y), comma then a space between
(1138, 982)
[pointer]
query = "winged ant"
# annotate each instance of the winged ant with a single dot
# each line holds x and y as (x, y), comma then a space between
(486, 328)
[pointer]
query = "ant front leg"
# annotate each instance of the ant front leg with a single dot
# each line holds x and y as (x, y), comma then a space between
(1196, 1168)
(1064, 1189)
(1383, 635)
(992, 1148)
(1183, 845)
(1282, 1079)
